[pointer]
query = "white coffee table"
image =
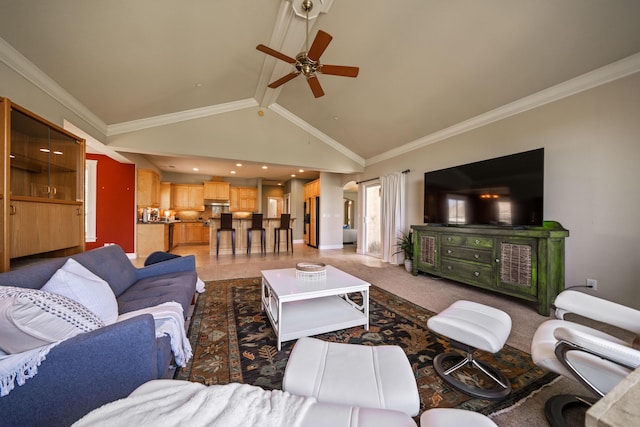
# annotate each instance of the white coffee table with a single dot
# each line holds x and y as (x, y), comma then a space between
(301, 308)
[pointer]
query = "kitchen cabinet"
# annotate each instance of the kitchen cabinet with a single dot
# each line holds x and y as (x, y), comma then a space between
(165, 195)
(148, 191)
(216, 190)
(42, 190)
(524, 262)
(243, 199)
(190, 233)
(187, 197)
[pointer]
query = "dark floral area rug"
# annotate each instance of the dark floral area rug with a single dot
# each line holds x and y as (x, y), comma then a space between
(233, 341)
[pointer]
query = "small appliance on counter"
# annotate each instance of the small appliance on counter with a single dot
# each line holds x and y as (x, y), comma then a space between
(150, 215)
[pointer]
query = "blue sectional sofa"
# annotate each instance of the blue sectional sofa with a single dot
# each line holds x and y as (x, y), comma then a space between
(90, 369)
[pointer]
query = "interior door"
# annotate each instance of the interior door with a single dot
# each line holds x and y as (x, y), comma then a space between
(372, 230)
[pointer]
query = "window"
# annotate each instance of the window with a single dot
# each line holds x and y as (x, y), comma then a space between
(457, 206)
(90, 189)
(504, 212)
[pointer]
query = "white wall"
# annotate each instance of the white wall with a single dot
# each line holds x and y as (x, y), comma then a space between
(296, 188)
(592, 174)
(331, 211)
(240, 134)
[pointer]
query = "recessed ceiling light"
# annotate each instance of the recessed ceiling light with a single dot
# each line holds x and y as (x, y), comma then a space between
(239, 165)
(300, 170)
(196, 169)
(293, 175)
(233, 172)
(264, 167)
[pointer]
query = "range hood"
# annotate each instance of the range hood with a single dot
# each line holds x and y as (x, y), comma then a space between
(216, 202)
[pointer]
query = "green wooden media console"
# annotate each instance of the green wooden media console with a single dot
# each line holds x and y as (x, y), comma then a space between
(524, 262)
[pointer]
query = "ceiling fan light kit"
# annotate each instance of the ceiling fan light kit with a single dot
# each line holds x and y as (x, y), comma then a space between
(307, 62)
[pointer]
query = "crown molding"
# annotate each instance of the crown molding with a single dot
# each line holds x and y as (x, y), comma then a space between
(288, 115)
(27, 69)
(180, 116)
(608, 73)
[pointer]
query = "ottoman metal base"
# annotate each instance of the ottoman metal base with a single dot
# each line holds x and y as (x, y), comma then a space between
(503, 386)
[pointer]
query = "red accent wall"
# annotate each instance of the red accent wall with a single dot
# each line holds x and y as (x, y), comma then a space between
(115, 204)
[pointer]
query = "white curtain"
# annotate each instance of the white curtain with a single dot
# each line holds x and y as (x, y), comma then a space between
(392, 198)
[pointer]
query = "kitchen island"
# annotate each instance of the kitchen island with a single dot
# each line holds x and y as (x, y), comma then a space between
(151, 237)
(242, 224)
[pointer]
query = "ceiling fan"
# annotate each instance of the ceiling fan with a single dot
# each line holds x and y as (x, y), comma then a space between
(308, 61)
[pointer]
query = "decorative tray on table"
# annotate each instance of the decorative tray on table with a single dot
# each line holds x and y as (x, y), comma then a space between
(311, 270)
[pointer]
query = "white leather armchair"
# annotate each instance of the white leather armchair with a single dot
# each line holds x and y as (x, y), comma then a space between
(592, 357)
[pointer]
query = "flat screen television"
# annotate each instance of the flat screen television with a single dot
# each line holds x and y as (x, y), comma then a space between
(504, 191)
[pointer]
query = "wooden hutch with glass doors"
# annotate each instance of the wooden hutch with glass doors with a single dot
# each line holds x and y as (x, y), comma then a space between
(42, 188)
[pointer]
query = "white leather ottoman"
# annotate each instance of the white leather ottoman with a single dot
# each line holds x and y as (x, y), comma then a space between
(349, 374)
(450, 417)
(470, 326)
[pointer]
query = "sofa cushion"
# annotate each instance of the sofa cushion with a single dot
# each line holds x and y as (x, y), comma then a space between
(150, 291)
(31, 318)
(75, 281)
(112, 264)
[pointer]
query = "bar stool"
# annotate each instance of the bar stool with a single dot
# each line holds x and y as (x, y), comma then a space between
(226, 224)
(256, 224)
(285, 221)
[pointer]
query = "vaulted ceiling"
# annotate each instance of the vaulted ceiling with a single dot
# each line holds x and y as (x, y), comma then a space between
(425, 65)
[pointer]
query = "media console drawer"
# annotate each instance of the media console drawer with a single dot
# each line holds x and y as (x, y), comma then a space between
(525, 262)
(467, 272)
(469, 241)
(467, 254)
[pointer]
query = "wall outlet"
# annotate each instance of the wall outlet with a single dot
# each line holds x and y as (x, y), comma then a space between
(592, 284)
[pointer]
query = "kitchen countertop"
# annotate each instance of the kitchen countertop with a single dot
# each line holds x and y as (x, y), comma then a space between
(173, 221)
(248, 218)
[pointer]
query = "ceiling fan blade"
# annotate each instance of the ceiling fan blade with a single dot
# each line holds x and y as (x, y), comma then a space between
(275, 53)
(283, 80)
(314, 84)
(339, 70)
(319, 45)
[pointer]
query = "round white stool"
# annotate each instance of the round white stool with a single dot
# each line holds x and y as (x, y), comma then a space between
(470, 326)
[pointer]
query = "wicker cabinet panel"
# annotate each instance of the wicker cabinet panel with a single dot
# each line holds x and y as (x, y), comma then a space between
(517, 265)
(425, 247)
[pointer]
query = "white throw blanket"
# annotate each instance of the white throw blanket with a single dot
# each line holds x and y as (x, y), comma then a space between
(169, 320)
(164, 403)
(19, 367)
(200, 286)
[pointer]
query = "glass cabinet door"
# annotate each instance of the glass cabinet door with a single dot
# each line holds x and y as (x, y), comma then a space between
(64, 153)
(44, 161)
